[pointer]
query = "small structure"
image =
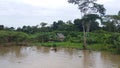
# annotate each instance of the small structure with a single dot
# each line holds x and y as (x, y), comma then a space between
(60, 36)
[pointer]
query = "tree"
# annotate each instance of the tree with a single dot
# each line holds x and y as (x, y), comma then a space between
(54, 25)
(90, 21)
(43, 28)
(70, 26)
(10, 28)
(78, 24)
(114, 39)
(119, 13)
(43, 24)
(88, 7)
(1, 27)
(19, 29)
(60, 25)
(112, 23)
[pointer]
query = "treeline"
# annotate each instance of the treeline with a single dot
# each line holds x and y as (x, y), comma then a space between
(110, 23)
(103, 31)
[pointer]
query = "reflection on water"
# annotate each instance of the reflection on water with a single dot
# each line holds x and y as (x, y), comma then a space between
(44, 57)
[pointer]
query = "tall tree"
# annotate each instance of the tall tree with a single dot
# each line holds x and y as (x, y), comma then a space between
(88, 7)
(90, 21)
(113, 21)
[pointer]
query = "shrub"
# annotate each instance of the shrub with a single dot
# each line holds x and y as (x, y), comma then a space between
(114, 39)
(12, 36)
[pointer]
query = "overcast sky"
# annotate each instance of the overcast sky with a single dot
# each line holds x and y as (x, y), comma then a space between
(17, 13)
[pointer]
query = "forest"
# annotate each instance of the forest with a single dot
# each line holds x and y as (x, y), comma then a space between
(103, 33)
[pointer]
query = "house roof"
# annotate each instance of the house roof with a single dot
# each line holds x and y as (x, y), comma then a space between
(60, 35)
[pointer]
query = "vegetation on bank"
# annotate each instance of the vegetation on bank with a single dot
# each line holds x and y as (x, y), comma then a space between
(97, 40)
(104, 36)
(13, 36)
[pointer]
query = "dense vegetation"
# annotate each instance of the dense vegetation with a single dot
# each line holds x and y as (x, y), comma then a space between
(100, 37)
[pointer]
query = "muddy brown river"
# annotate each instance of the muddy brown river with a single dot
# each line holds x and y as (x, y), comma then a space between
(44, 57)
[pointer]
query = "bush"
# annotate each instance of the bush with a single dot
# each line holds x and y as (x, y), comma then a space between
(114, 39)
(44, 37)
(12, 36)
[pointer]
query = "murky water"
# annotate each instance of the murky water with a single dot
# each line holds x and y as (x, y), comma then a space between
(43, 57)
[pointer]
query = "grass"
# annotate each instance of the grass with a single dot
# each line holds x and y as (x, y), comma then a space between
(61, 44)
(100, 47)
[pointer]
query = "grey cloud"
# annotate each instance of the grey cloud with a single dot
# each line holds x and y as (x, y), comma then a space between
(11, 8)
(19, 14)
(112, 7)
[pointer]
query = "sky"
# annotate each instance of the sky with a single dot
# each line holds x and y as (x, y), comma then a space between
(16, 13)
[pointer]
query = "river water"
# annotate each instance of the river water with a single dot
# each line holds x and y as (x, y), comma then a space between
(44, 57)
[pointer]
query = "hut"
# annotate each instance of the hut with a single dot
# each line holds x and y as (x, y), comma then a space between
(60, 36)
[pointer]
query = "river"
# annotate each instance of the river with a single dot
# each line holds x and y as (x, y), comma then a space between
(45, 57)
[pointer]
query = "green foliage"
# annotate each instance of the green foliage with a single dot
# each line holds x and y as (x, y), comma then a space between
(12, 36)
(89, 22)
(100, 46)
(43, 24)
(88, 5)
(114, 39)
(44, 37)
(61, 44)
(78, 24)
(1, 27)
(101, 38)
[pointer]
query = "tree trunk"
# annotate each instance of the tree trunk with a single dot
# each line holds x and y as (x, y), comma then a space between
(84, 36)
(87, 28)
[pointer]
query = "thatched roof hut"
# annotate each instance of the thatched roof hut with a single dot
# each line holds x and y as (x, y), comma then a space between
(60, 36)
